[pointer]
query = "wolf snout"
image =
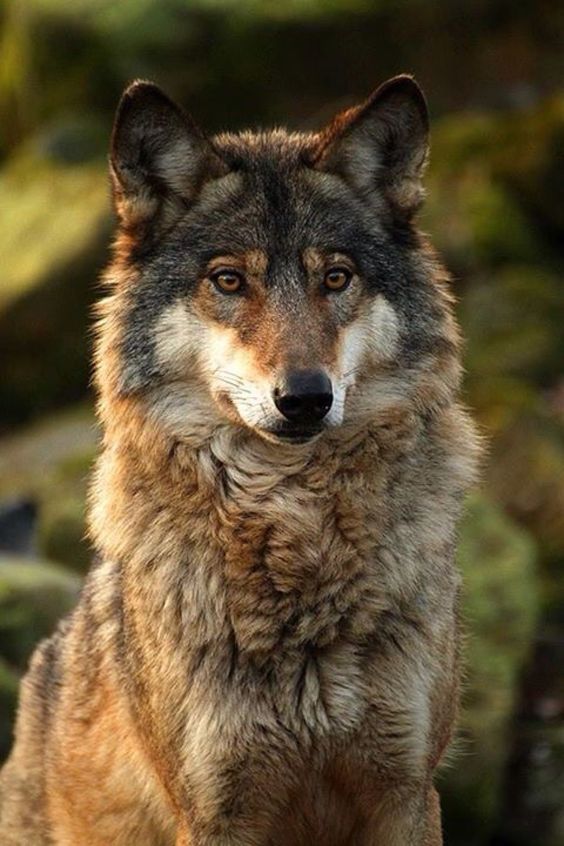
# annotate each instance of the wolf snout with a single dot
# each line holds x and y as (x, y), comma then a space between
(304, 396)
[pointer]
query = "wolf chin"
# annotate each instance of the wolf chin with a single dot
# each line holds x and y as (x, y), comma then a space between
(265, 652)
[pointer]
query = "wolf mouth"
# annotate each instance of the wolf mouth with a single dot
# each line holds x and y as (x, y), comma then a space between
(295, 435)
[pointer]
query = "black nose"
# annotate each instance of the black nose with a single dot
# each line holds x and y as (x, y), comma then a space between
(304, 397)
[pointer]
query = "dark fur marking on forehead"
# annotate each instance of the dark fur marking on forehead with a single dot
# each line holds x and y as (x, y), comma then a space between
(252, 151)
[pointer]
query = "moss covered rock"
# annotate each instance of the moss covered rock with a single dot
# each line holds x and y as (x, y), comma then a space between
(49, 464)
(34, 595)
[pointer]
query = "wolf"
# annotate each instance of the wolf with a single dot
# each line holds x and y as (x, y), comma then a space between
(266, 649)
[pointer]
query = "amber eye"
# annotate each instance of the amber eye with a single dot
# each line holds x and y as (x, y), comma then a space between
(227, 281)
(337, 278)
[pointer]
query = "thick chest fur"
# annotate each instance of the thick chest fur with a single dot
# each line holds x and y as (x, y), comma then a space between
(299, 561)
(311, 597)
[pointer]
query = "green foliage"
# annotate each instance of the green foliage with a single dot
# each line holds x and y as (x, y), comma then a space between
(55, 212)
(498, 561)
(52, 247)
(501, 607)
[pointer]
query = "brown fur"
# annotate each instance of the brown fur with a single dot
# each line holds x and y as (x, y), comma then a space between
(266, 653)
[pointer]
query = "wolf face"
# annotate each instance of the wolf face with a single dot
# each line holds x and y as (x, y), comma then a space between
(275, 280)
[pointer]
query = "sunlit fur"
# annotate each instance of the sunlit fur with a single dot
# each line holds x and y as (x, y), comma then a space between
(266, 651)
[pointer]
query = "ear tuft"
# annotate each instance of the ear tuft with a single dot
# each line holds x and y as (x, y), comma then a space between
(158, 157)
(381, 146)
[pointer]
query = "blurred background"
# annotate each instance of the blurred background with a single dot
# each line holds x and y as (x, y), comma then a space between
(493, 72)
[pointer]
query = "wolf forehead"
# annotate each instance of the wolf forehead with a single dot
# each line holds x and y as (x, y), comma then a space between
(270, 200)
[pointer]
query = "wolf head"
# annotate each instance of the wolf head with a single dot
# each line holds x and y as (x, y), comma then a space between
(274, 281)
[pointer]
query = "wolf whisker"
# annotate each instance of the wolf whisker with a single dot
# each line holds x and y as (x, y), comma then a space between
(238, 385)
(228, 374)
(350, 372)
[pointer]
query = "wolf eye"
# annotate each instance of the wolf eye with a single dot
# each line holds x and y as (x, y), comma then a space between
(337, 279)
(227, 281)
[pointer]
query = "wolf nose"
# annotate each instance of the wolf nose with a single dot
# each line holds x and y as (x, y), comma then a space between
(305, 396)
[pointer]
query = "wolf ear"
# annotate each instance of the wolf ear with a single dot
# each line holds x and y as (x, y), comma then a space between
(158, 159)
(382, 145)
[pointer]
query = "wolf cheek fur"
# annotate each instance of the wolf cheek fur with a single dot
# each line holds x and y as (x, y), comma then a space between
(267, 652)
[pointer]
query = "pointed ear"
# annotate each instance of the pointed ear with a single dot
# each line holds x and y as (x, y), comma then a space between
(381, 146)
(159, 158)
